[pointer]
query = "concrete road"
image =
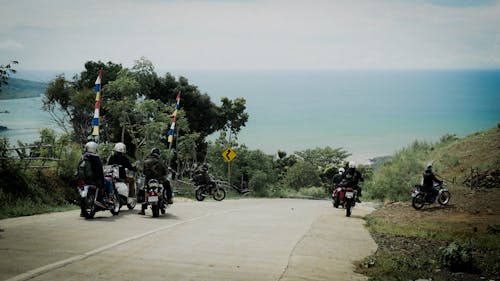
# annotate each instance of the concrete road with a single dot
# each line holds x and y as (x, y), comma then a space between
(247, 239)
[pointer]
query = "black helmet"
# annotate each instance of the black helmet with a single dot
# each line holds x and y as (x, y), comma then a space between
(155, 151)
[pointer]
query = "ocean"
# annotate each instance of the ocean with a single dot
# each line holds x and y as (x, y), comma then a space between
(367, 113)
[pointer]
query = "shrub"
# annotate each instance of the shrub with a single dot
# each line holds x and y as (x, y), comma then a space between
(457, 257)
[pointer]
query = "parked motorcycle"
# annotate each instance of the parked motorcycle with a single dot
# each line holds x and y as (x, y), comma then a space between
(211, 188)
(93, 199)
(125, 194)
(154, 197)
(422, 198)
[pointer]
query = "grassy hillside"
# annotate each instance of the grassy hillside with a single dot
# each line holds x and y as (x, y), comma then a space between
(20, 88)
(459, 241)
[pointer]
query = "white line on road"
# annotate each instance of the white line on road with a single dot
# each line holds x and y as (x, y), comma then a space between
(49, 267)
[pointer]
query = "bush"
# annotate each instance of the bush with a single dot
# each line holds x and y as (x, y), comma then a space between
(457, 257)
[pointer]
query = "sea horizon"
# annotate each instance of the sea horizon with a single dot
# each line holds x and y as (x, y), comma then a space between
(369, 113)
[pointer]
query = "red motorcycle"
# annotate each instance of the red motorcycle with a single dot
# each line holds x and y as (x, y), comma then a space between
(345, 197)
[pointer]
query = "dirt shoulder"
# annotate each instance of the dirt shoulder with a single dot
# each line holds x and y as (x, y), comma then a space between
(411, 240)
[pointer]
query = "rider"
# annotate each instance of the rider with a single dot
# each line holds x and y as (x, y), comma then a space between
(353, 177)
(428, 179)
(337, 178)
(90, 154)
(202, 176)
(119, 158)
(154, 168)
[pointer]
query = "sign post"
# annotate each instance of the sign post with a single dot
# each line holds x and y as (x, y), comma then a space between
(228, 155)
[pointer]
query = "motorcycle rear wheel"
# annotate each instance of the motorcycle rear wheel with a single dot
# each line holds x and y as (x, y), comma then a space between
(87, 206)
(444, 198)
(418, 201)
(219, 194)
(156, 210)
(130, 206)
(336, 203)
(116, 207)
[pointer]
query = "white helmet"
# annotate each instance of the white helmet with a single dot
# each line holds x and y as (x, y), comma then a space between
(352, 164)
(120, 147)
(91, 147)
(341, 170)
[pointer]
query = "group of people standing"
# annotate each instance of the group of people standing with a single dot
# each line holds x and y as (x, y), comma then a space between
(153, 168)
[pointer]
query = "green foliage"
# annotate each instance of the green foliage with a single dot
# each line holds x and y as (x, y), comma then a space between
(457, 257)
(5, 71)
(324, 157)
(397, 176)
(302, 174)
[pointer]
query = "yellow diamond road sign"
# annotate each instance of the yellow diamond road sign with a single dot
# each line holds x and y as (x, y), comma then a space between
(228, 155)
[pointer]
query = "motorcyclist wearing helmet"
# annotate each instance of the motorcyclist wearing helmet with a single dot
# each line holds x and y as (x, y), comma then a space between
(90, 154)
(337, 178)
(202, 177)
(352, 178)
(154, 168)
(119, 158)
(428, 179)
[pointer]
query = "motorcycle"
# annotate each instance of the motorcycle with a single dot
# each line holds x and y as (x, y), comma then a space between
(93, 199)
(211, 188)
(421, 198)
(350, 200)
(153, 196)
(125, 194)
(338, 196)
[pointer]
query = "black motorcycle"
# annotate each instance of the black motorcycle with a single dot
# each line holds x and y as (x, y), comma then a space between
(204, 189)
(154, 197)
(422, 198)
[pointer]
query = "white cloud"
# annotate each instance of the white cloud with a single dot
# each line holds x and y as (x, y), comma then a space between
(10, 44)
(253, 34)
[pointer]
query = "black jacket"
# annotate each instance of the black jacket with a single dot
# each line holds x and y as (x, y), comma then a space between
(429, 179)
(97, 170)
(122, 160)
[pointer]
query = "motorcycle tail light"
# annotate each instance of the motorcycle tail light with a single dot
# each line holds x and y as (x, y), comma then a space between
(80, 183)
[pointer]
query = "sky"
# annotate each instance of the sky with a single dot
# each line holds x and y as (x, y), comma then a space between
(252, 34)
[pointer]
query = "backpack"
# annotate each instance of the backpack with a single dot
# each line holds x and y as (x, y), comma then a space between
(85, 169)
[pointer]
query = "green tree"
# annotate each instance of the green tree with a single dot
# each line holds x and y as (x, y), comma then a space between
(302, 174)
(324, 157)
(5, 71)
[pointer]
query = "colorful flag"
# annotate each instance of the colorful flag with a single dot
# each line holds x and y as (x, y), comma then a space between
(174, 119)
(97, 90)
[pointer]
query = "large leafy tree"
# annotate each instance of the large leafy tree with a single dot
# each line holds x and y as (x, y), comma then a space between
(322, 158)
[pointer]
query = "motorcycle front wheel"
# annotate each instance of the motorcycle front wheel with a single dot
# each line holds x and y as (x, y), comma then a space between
(198, 193)
(444, 198)
(348, 208)
(418, 201)
(87, 206)
(219, 194)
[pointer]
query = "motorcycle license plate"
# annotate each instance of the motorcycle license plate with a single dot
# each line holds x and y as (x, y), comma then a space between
(153, 199)
(349, 194)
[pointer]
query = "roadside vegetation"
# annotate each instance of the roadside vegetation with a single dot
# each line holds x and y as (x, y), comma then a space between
(459, 241)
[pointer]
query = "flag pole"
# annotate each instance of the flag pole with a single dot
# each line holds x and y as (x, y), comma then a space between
(95, 120)
(171, 131)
